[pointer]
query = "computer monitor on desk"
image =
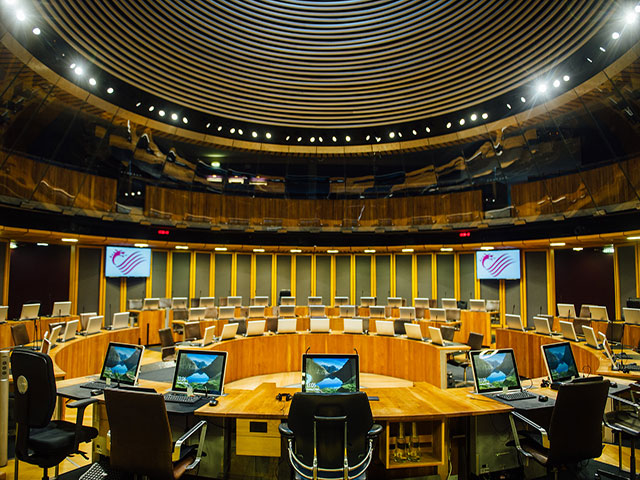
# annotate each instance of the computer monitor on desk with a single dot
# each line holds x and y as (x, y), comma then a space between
(353, 325)
(568, 332)
(199, 371)
(385, 327)
(315, 300)
(287, 310)
(120, 320)
(514, 322)
(585, 311)
(493, 305)
(151, 304)
(257, 311)
(226, 313)
(70, 330)
(452, 314)
(437, 314)
(287, 325)
(421, 302)
(330, 373)
(394, 301)
(61, 309)
(179, 303)
(542, 325)
(449, 303)
(289, 300)
(94, 325)
(566, 310)
(495, 371)
(30, 311)
(377, 311)
(234, 301)
(207, 302)
(407, 313)
(338, 301)
(121, 364)
(347, 311)
(316, 310)
(84, 319)
(367, 301)
(196, 314)
(598, 312)
(477, 305)
(631, 315)
(559, 361)
(261, 301)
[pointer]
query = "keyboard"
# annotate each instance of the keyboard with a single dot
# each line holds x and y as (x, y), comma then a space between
(631, 367)
(520, 395)
(97, 385)
(181, 398)
(98, 471)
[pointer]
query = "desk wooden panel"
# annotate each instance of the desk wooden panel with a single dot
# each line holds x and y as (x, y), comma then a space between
(478, 322)
(149, 322)
(6, 340)
(85, 355)
(526, 346)
(391, 356)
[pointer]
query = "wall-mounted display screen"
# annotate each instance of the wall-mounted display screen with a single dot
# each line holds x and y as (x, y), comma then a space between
(127, 262)
(498, 265)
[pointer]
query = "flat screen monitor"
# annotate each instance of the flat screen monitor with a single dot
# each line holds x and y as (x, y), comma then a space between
(122, 363)
(494, 370)
(566, 310)
(61, 309)
(288, 300)
(260, 301)
(127, 262)
(179, 303)
(330, 373)
(421, 302)
(234, 301)
(394, 301)
(367, 301)
(498, 265)
(559, 360)
(207, 302)
(30, 311)
(338, 301)
(202, 370)
(477, 305)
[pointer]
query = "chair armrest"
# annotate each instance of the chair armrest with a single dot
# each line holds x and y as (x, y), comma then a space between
(626, 401)
(522, 418)
(177, 448)
(374, 431)
(285, 431)
(81, 405)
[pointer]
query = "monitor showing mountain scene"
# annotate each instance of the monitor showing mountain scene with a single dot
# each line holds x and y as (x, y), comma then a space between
(329, 373)
(202, 370)
(122, 363)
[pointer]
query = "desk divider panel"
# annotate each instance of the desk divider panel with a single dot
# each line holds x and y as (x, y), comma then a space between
(158, 274)
(303, 279)
(323, 280)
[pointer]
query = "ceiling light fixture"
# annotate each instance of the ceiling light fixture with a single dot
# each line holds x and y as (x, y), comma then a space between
(557, 244)
(36, 31)
(141, 245)
(182, 247)
(258, 250)
(110, 90)
(220, 249)
(407, 250)
(333, 251)
(70, 240)
(369, 250)
(295, 250)
(446, 249)
(174, 116)
(487, 248)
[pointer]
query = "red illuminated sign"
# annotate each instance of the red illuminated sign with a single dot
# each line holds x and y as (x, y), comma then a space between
(163, 232)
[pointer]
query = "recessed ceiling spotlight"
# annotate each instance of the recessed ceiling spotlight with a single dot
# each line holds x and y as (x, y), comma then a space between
(566, 78)
(602, 49)
(347, 138)
(414, 132)
(378, 139)
(219, 128)
(400, 134)
(449, 125)
(92, 82)
(589, 60)
(615, 35)
(299, 139)
(320, 139)
(162, 113)
(174, 116)
(36, 31)
(368, 137)
(268, 135)
(556, 83)
(509, 106)
(630, 17)
(151, 108)
(254, 134)
(21, 16)
(461, 121)
(72, 66)
(474, 117)
(523, 100)
(288, 137)
(185, 120)
(392, 134)
(78, 70)
(312, 139)
(207, 125)
(542, 87)
(334, 139)
(232, 130)
(215, 164)
(138, 104)
(427, 129)
(240, 132)
(577, 249)
(42, 244)
(485, 115)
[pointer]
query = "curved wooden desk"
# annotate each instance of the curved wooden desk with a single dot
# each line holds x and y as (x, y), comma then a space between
(391, 356)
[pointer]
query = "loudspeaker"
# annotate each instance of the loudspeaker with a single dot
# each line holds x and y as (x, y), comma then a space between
(4, 405)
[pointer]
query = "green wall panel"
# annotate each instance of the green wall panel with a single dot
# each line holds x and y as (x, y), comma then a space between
(243, 278)
(323, 280)
(383, 278)
(363, 278)
(490, 289)
(627, 273)
(111, 298)
(180, 274)
(536, 268)
(403, 277)
(343, 276)
(263, 276)
(89, 271)
(158, 274)
(446, 279)
(203, 274)
(512, 297)
(136, 287)
(303, 278)
(467, 276)
(283, 273)
(222, 275)
(423, 267)
(3, 265)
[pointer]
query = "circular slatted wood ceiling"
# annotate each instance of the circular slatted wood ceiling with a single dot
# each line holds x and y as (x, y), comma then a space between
(326, 63)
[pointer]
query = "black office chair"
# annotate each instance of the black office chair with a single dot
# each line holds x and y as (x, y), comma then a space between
(448, 333)
(614, 333)
(141, 441)
(575, 429)
(20, 334)
(40, 440)
(462, 359)
(168, 352)
(330, 436)
(192, 331)
(624, 421)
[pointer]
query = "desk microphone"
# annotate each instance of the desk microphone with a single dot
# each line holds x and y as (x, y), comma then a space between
(513, 310)
(307, 350)
(356, 350)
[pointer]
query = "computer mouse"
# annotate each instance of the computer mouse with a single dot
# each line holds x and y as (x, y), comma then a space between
(213, 402)
(612, 384)
(95, 393)
(543, 398)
